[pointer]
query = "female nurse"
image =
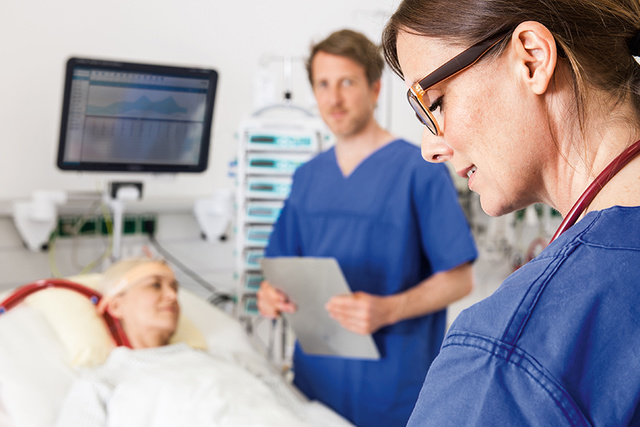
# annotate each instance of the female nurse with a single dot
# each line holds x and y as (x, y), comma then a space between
(536, 101)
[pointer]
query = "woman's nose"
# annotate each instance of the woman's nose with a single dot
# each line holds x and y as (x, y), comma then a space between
(170, 293)
(434, 148)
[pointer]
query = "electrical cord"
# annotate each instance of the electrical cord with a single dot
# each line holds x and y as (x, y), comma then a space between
(82, 219)
(75, 231)
(216, 298)
(107, 253)
(53, 266)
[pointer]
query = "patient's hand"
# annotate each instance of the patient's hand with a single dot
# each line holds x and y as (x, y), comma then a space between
(272, 301)
(361, 312)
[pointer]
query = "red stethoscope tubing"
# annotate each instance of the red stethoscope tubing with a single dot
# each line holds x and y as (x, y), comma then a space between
(592, 191)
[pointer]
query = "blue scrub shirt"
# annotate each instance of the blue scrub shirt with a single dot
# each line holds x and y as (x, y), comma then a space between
(393, 222)
(557, 344)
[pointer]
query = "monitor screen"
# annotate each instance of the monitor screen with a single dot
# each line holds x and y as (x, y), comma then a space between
(130, 117)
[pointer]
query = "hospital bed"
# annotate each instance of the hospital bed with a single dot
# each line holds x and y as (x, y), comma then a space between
(54, 333)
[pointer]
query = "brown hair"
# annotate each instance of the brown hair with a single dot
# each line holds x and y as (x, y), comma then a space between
(355, 46)
(593, 36)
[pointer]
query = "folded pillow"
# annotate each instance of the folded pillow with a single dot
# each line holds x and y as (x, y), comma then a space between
(82, 330)
(33, 368)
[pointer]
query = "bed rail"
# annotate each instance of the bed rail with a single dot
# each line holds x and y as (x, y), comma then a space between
(113, 325)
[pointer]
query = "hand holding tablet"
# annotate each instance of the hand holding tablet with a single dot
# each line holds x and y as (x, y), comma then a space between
(309, 283)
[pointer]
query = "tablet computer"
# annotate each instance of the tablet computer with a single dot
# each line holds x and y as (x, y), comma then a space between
(310, 283)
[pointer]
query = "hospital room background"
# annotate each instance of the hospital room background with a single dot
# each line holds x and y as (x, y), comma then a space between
(257, 48)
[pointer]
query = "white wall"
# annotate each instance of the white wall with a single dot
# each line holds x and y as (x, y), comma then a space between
(37, 37)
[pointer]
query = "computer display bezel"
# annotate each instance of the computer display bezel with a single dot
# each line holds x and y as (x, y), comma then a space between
(174, 71)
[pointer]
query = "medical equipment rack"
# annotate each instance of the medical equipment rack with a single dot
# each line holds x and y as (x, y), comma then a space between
(269, 151)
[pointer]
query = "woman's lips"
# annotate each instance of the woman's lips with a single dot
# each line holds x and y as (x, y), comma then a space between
(466, 173)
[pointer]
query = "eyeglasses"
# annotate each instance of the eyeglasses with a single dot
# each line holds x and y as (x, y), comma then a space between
(458, 64)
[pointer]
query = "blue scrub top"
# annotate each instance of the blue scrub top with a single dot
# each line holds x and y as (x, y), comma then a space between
(557, 344)
(393, 222)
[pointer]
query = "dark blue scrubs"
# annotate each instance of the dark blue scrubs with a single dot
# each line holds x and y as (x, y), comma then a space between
(558, 344)
(393, 222)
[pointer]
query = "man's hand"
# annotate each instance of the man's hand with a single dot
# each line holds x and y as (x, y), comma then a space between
(361, 312)
(272, 301)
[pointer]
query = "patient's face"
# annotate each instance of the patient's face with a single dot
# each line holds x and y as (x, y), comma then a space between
(150, 305)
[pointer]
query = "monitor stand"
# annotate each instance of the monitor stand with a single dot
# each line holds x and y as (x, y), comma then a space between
(116, 197)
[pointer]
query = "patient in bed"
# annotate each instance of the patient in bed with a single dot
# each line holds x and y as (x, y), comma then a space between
(156, 383)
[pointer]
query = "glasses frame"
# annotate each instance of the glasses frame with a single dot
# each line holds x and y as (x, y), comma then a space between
(456, 65)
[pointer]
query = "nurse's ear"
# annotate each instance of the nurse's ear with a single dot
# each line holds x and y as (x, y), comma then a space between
(534, 54)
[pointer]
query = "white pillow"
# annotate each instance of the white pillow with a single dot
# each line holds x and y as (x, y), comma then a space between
(34, 370)
(223, 333)
(83, 331)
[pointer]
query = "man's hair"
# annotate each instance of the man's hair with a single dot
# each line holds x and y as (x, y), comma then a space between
(355, 46)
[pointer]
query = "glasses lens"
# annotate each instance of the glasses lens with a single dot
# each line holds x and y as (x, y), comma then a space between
(421, 113)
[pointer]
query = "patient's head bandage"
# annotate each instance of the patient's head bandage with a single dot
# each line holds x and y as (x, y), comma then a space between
(125, 274)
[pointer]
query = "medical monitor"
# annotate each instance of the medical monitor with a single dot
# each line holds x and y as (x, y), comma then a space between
(131, 117)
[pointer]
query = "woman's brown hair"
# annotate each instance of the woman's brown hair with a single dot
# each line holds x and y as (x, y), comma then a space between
(593, 36)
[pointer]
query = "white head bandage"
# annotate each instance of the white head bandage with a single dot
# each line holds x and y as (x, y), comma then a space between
(122, 275)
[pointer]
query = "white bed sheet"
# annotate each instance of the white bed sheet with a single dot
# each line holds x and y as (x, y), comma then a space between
(177, 385)
(35, 370)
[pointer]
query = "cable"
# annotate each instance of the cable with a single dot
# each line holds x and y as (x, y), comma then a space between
(109, 225)
(216, 297)
(219, 299)
(82, 219)
(53, 266)
(75, 231)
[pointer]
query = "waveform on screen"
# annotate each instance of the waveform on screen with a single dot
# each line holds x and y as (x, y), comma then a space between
(167, 106)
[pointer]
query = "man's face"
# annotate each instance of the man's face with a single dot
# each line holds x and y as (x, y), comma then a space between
(345, 99)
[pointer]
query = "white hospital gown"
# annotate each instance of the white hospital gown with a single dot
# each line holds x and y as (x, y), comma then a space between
(176, 385)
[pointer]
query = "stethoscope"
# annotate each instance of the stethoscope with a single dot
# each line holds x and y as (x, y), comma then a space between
(592, 191)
